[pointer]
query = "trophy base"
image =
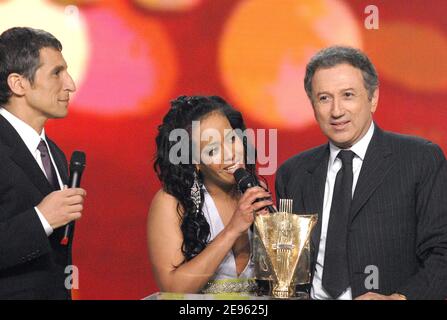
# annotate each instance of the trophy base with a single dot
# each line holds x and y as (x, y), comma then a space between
(265, 288)
(296, 296)
(300, 296)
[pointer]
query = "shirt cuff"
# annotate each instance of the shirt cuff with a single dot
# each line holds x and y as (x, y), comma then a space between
(45, 224)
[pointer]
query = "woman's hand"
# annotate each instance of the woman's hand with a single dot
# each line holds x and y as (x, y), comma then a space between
(244, 214)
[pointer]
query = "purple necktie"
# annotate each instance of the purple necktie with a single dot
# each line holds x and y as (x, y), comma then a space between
(47, 165)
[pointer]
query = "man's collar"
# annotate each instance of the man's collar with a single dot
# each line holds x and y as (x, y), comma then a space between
(29, 136)
(359, 148)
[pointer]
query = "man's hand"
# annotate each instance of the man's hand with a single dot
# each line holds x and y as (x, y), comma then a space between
(376, 296)
(63, 206)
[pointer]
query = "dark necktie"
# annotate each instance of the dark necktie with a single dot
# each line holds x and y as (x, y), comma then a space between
(335, 269)
(47, 165)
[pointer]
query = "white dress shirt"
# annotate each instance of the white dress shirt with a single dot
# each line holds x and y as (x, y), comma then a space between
(359, 149)
(32, 139)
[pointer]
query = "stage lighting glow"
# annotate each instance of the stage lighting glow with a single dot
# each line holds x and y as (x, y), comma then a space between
(168, 5)
(65, 23)
(418, 65)
(132, 66)
(265, 47)
(76, 2)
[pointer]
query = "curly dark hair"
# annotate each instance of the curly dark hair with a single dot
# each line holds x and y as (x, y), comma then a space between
(177, 179)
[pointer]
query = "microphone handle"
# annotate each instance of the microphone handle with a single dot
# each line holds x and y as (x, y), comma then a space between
(74, 182)
(257, 184)
(270, 207)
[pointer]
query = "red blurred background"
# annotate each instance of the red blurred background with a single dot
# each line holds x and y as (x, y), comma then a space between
(130, 58)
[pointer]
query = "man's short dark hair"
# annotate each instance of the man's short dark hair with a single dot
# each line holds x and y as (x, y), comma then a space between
(332, 56)
(20, 53)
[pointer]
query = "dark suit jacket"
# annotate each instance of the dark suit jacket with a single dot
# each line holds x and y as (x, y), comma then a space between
(398, 215)
(32, 265)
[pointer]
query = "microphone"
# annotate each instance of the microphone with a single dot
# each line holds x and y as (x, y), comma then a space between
(246, 180)
(77, 165)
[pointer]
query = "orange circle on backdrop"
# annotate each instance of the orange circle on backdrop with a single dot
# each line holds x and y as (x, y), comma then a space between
(170, 5)
(412, 55)
(264, 50)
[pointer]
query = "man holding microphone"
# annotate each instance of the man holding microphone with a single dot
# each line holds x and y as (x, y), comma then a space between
(35, 205)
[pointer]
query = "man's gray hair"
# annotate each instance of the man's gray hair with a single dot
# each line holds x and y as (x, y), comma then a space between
(332, 56)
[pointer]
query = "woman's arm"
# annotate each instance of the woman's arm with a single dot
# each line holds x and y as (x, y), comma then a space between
(165, 241)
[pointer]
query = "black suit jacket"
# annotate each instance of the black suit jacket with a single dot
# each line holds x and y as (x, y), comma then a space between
(398, 215)
(32, 265)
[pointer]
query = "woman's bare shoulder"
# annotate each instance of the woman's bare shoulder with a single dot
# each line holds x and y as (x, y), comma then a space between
(164, 203)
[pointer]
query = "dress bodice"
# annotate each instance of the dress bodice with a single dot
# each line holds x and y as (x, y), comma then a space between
(226, 275)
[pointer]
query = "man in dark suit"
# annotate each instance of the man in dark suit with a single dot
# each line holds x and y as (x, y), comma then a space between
(381, 197)
(34, 204)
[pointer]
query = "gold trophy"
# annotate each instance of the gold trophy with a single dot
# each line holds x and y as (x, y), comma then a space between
(282, 251)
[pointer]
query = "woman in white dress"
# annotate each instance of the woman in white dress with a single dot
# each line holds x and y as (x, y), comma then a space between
(199, 224)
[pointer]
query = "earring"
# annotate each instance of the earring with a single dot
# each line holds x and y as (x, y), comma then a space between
(195, 192)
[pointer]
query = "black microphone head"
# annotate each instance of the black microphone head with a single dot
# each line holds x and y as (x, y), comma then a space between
(244, 179)
(239, 174)
(77, 162)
